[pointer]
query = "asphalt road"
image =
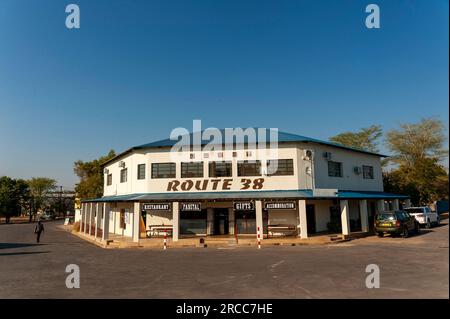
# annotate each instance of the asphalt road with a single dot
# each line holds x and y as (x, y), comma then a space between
(417, 267)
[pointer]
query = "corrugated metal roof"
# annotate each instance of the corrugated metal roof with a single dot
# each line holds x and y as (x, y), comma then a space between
(283, 137)
(301, 193)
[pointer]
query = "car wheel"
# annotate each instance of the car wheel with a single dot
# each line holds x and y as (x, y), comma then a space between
(380, 234)
(405, 232)
(428, 224)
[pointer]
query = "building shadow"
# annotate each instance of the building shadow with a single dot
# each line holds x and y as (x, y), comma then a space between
(17, 245)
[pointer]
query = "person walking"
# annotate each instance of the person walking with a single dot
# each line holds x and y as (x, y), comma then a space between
(38, 230)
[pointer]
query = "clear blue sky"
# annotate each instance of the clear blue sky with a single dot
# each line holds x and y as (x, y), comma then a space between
(137, 69)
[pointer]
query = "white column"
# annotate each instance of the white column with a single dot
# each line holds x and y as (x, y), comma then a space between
(259, 218)
(209, 221)
(380, 205)
(85, 218)
(136, 221)
(175, 221)
(363, 215)
(303, 225)
(105, 231)
(97, 212)
(345, 218)
(231, 221)
(82, 217)
(90, 218)
(407, 203)
(395, 204)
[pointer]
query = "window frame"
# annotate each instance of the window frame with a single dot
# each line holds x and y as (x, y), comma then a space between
(122, 179)
(370, 173)
(185, 169)
(257, 164)
(109, 179)
(169, 175)
(285, 166)
(212, 166)
(341, 170)
(139, 177)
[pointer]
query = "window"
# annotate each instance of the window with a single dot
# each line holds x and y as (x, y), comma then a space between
(123, 175)
(141, 171)
(252, 168)
(109, 179)
(192, 169)
(367, 172)
(220, 169)
(280, 167)
(334, 169)
(163, 170)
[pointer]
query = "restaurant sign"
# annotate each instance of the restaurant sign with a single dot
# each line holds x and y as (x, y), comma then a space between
(190, 207)
(157, 206)
(279, 205)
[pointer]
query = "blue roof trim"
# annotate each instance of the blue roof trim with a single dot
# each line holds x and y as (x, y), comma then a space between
(300, 193)
(283, 137)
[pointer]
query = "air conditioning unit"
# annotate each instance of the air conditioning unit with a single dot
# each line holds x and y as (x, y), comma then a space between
(357, 170)
(106, 171)
(327, 156)
(122, 164)
(307, 155)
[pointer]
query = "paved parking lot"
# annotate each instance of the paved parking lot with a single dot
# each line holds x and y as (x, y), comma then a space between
(416, 267)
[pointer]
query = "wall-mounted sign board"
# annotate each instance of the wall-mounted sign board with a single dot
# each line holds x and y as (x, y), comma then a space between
(280, 205)
(157, 206)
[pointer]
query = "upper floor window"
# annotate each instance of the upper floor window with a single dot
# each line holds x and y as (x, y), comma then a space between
(249, 168)
(192, 169)
(334, 169)
(280, 167)
(123, 175)
(141, 171)
(220, 169)
(367, 172)
(109, 179)
(163, 170)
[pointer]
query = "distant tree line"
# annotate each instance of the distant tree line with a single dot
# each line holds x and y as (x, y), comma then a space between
(28, 197)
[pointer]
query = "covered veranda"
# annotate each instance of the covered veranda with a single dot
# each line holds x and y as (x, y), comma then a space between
(123, 215)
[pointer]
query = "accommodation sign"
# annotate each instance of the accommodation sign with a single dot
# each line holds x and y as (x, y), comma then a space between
(279, 205)
(190, 207)
(157, 206)
(247, 205)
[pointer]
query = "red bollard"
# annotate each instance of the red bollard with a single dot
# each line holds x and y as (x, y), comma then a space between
(165, 239)
(259, 240)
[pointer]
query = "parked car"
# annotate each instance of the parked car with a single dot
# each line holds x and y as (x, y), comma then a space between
(396, 223)
(47, 216)
(424, 216)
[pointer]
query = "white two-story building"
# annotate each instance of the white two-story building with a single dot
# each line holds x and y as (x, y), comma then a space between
(304, 186)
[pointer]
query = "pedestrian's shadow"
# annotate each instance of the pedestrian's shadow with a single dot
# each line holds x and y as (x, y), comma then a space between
(24, 253)
(17, 245)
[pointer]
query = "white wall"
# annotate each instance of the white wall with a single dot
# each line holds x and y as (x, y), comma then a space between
(300, 180)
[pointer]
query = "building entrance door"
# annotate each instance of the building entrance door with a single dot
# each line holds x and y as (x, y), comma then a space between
(311, 219)
(221, 221)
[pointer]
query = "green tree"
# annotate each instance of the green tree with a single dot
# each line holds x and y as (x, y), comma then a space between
(417, 152)
(417, 141)
(365, 139)
(40, 188)
(91, 176)
(12, 195)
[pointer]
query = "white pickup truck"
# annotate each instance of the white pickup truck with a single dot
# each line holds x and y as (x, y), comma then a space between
(424, 216)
